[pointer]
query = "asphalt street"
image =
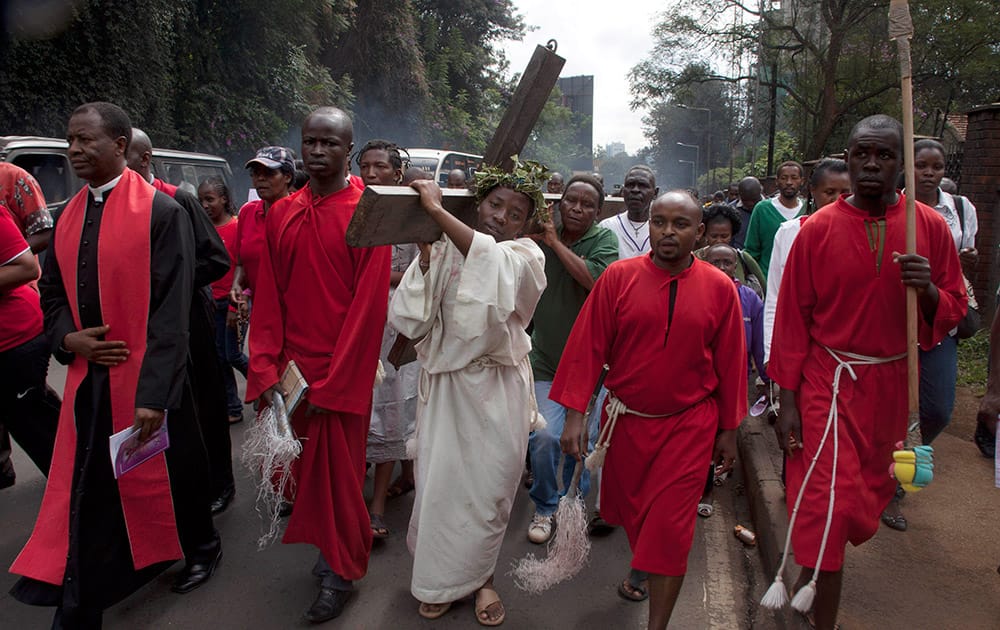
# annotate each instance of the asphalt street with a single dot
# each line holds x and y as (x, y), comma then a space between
(271, 588)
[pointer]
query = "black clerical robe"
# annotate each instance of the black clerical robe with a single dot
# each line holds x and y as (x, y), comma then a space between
(100, 568)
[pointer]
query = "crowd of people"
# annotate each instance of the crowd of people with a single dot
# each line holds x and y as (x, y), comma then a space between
(532, 338)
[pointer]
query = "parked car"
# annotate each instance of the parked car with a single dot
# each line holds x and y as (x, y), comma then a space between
(439, 163)
(46, 159)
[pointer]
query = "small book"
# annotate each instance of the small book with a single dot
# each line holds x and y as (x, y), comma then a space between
(127, 452)
(294, 386)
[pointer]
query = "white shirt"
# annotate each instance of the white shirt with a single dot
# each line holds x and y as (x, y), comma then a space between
(630, 243)
(785, 211)
(946, 208)
(783, 240)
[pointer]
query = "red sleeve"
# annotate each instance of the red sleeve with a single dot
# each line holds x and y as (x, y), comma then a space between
(12, 242)
(360, 337)
(946, 273)
(729, 357)
(239, 238)
(268, 327)
(793, 317)
(588, 348)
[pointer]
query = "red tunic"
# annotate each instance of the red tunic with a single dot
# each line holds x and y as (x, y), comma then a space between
(693, 372)
(323, 304)
(841, 290)
(227, 232)
(250, 240)
(20, 309)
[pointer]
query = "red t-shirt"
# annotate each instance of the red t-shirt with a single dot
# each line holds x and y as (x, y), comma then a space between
(228, 234)
(249, 240)
(20, 308)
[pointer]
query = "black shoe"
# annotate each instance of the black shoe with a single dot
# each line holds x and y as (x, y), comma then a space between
(897, 523)
(222, 502)
(194, 575)
(285, 509)
(328, 605)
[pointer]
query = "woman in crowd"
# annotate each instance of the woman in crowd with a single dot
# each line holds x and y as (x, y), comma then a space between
(938, 366)
(469, 297)
(271, 171)
(394, 407)
(217, 201)
(722, 223)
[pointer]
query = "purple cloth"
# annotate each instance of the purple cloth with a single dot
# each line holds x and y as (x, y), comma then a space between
(753, 326)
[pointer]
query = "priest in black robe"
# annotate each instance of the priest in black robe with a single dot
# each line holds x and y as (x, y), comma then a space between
(98, 539)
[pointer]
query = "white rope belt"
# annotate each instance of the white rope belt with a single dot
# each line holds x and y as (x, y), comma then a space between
(803, 599)
(615, 407)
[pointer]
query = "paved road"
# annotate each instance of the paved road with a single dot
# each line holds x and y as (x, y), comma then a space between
(271, 588)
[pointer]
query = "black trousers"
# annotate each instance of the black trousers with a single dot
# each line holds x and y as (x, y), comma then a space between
(29, 409)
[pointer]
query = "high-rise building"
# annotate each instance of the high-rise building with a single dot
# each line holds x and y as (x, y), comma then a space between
(578, 96)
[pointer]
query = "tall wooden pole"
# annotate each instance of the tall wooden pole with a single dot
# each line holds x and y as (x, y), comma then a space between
(901, 30)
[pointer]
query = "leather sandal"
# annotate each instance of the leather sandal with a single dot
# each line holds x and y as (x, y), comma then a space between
(486, 597)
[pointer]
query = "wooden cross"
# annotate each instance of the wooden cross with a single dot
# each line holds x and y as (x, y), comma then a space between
(388, 215)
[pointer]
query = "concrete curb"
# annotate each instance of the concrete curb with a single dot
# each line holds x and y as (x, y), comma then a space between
(765, 493)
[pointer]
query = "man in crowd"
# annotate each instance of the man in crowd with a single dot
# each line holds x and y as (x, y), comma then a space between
(116, 295)
(769, 214)
(669, 419)
(733, 194)
(322, 304)
(575, 256)
(750, 194)
(204, 370)
(555, 184)
(456, 179)
(632, 226)
(839, 355)
(33, 412)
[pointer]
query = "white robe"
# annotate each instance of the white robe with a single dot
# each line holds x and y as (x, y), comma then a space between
(475, 405)
(394, 404)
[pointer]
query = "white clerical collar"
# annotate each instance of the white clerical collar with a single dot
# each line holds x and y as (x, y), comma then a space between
(150, 179)
(98, 193)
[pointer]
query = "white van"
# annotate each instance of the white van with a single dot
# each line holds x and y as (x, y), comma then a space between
(439, 163)
(45, 159)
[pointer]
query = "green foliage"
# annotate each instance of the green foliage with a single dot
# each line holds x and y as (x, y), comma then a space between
(553, 139)
(834, 62)
(973, 357)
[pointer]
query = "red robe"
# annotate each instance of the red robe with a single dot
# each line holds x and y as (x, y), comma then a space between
(695, 371)
(841, 290)
(323, 304)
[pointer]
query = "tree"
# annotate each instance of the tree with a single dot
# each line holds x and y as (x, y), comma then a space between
(833, 59)
(553, 139)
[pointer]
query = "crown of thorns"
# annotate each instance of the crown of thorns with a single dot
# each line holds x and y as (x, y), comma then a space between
(527, 177)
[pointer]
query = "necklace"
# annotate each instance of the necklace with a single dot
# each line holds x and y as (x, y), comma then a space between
(637, 227)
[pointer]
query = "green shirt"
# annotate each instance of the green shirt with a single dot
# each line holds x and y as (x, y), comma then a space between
(564, 297)
(764, 222)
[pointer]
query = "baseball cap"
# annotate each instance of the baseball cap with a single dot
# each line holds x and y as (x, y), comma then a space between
(274, 157)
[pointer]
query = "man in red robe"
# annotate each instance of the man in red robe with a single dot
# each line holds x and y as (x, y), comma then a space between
(323, 304)
(842, 300)
(678, 414)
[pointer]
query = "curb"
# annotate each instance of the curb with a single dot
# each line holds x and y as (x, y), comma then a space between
(765, 492)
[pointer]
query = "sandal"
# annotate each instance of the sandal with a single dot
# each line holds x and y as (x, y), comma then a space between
(433, 611)
(705, 510)
(399, 488)
(379, 529)
(598, 526)
(487, 598)
(632, 593)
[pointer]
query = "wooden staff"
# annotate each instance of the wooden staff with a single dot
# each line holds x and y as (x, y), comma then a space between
(901, 30)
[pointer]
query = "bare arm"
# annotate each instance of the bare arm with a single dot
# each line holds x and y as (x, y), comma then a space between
(576, 266)
(39, 241)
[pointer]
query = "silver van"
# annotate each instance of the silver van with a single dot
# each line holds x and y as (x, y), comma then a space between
(439, 163)
(46, 159)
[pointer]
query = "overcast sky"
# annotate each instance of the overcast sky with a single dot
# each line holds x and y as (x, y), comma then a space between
(601, 38)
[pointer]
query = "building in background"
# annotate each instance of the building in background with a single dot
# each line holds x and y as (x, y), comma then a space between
(578, 96)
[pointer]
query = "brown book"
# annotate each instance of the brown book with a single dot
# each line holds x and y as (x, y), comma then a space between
(294, 386)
